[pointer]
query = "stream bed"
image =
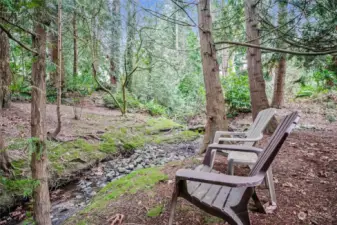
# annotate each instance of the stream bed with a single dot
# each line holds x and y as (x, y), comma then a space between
(73, 197)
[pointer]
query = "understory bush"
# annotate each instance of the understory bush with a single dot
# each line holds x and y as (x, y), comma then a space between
(236, 90)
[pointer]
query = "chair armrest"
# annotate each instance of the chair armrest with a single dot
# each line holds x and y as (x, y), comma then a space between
(241, 139)
(219, 179)
(218, 134)
(238, 148)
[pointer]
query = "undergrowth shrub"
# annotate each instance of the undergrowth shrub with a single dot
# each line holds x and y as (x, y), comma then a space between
(236, 90)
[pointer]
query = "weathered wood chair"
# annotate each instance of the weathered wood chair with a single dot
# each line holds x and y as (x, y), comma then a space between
(227, 196)
(249, 139)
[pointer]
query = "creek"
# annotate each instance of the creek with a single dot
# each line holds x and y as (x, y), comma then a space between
(73, 197)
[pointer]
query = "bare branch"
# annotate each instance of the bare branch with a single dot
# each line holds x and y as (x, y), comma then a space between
(277, 49)
(18, 26)
(17, 41)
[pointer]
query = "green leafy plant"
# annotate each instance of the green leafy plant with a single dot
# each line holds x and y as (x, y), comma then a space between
(237, 94)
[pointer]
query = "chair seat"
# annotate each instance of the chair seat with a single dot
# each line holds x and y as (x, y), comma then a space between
(215, 196)
(242, 157)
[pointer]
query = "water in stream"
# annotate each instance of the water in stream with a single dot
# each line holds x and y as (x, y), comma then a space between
(75, 196)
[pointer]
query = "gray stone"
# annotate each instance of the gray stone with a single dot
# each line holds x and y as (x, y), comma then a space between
(139, 160)
(79, 196)
(131, 166)
(93, 193)
(121, 169)
(139, 167)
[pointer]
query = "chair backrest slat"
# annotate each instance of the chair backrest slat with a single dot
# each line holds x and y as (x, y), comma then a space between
(275, 143)
(260, 123)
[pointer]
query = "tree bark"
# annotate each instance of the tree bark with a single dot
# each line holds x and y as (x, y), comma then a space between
(75, 42)
(39, 158)
(5, 164)
(5, 72)
(215, 103)
(259, 100)
(130, 42)
(59, 70)
(279, 83)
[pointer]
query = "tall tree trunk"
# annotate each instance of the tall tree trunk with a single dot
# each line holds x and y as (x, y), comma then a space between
(256, 82)
(279, 81)
(130, 42)
(59, 70)
(5, 72)
(115, 40)
(39, 158)
(215, 103)
(75, 42)
(5, 164)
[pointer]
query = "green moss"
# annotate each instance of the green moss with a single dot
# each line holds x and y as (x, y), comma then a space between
(133, 182)
(155, 211)
(70, 154)
(156, 125)
(180, 136)
(81, 223)
(108, 145)
(212, 220)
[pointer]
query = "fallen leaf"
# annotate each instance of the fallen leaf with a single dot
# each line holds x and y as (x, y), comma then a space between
(302, 216)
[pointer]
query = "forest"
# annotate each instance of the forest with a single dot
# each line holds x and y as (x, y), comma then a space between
(102, 102)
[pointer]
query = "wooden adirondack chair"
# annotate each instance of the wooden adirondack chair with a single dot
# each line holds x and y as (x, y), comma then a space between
(227, 196)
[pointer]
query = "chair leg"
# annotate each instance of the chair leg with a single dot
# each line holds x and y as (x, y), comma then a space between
(230, 167)
(271, 186)
(258, 203)
(213, 154)
(173, 206)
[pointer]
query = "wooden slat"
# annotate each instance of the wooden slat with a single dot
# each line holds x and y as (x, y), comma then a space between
(193, 185)
(211, 195)
(202, 191)
(221, 198)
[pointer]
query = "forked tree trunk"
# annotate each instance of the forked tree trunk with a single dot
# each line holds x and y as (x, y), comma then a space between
(39, 158)
(279, 83)
(215, 103)
(259, 100)
(5, 72)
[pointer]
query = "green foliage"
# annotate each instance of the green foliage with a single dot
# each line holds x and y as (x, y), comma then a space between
(236, 88)
(305, 91)
(20, 187)
(155, 109)
(132, 102)
(155, 211)
(84, 84)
